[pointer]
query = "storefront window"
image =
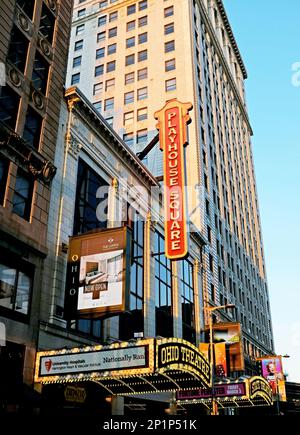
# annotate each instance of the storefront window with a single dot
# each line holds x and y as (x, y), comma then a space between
(163, 289)
(186, 283)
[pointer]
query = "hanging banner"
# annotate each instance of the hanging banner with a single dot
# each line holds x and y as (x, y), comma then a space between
(98, 274)
(172, 126)
(220, 360)
(272, 371)
(230, 334)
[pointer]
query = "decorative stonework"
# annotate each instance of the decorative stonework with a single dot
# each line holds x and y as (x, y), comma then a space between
(14, 76)
(45, 171)
(52, 4)
(45, 46)
(23, 155)
(23, 21)
(73, 146)
(38, 100)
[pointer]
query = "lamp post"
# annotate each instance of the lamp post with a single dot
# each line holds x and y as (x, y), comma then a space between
(214, 410)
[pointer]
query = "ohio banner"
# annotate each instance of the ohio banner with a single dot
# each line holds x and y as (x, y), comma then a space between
(98, 274)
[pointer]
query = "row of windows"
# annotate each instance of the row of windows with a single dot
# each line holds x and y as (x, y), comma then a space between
(142, 21)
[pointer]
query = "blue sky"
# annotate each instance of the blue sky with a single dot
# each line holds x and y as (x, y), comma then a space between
(268, 35)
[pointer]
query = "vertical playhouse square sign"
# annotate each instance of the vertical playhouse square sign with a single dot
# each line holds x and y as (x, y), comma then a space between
(172, 125)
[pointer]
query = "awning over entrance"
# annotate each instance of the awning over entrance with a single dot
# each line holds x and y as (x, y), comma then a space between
(143, 366)
(255, 391)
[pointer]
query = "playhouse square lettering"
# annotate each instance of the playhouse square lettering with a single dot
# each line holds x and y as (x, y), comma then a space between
(175, 194)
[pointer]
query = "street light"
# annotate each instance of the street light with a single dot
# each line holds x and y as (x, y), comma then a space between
(210, 310)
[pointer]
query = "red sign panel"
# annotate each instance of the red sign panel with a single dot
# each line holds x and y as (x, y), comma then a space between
(172, 121)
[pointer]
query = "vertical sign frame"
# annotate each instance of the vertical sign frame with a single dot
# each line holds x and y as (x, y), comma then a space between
(172, 125)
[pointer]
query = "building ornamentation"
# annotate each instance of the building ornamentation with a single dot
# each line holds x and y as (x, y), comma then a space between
(22, 154)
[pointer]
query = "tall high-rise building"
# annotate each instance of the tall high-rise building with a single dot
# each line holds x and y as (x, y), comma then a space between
(34, 37)
(129, 58)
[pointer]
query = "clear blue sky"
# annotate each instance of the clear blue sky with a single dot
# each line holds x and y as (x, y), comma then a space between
(268, 35)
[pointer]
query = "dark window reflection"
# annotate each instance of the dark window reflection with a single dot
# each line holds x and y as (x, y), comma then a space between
(163, 289)
(17, 53)
(23, 195)
(91, 200)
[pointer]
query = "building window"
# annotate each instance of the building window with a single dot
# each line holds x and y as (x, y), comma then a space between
(109, 84)
(78, 45)
(109, 104)
(15, 285)
(4, 165)
(170, 65)
(22, 198)
(18, 48)
(142, 136)
(133, 322)
(142, 55)
(142, 114)
(97, 88)
(129, 78)
(102, 21)
(143, 21)
(111, 66)
(75, 79)
(27, 6)
(80, 29)
(186, 284)
(163, 289)
(32, 128)
(129, 60)
(99, 70)
(9, 106)
(170, 85)
(168, 12)
(130, 25)
(131, 9)
(142, 74)
(113, 16)
(143, 37)
(142, 93)
(77, 61)
(113, 32)
(98, 105)
(143, 5)
(128, 118)
(111, 49)
(40, 73)
(100, 53)
(87, 200)
(103, 4)
(47, 23)
(129, 97)
(81, 13)
(101, 36)
(169, 46)
(110, 120)
(169, 28)
(130, 42)
(128, 139)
